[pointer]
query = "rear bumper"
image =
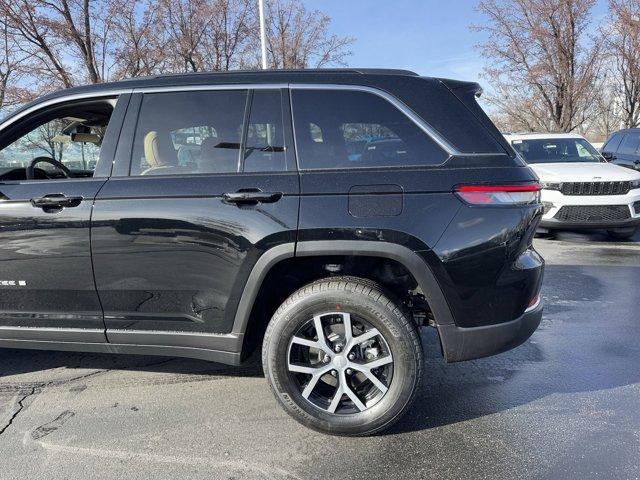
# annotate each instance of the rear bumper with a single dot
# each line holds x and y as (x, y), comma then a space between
(459, 344)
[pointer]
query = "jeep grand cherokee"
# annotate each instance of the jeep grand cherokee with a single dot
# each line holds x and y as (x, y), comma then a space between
(326, 215)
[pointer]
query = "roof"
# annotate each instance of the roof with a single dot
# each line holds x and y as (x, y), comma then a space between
(626, 130)
(320, 75)
(373, 77)
(539, 136)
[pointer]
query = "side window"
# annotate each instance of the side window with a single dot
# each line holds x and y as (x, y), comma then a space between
(73, 137)
(351, 129)
(630, 144)
(613, 144)
(265, 149)
(189, 132)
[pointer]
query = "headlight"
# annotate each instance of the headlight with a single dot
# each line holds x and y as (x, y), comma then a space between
(551, 186)
(635, 184)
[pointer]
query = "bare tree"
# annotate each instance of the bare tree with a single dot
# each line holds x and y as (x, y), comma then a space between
(44, 139)
(297, 38)
(27, 22)
(63, 43)
(138, 46)
(542, 66)
(622, 34)
(606, 102)
(230, 39)
(186, 23)
(11, 63)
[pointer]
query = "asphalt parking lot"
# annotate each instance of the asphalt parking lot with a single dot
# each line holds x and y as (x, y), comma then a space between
(566, 404)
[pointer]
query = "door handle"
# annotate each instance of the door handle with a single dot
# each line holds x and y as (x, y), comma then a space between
(56, 201)
(252, 197)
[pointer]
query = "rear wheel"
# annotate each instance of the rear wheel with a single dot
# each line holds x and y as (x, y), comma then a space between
(622, 233)
(341, 357)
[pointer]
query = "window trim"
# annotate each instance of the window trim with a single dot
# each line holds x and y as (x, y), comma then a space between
(288, 115)
(106, 157)
(124, 155)
(443, 143)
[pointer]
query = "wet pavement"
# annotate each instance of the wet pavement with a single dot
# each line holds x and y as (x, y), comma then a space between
(566, 404)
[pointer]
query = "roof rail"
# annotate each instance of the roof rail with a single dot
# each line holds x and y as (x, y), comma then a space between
(360, 71)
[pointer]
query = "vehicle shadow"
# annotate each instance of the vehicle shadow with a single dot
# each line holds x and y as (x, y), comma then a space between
(15, 364)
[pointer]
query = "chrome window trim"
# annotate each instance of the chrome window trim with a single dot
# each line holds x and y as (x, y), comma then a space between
(209, 87)
(398, 104)
(442, 142)
(63, 99)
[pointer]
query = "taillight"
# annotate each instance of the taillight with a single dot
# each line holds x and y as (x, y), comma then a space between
(533, 304)
(499, 194)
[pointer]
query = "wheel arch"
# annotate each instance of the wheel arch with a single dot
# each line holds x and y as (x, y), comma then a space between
(407, 258)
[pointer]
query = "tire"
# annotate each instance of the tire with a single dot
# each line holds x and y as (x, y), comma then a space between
(622, 233)
(338, 302)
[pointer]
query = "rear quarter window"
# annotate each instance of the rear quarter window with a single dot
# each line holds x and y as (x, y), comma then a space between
(352, 129)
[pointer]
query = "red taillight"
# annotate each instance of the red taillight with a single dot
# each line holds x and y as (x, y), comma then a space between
(499, 194)
(535, 301)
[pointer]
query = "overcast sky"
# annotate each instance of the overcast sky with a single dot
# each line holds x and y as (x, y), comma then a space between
(431, 37)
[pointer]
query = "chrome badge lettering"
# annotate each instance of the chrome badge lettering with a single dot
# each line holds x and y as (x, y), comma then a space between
(13, 283)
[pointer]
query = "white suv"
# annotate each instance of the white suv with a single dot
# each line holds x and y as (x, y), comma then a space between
(580, 189)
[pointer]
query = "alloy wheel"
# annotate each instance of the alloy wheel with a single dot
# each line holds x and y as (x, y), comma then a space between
(340, 363)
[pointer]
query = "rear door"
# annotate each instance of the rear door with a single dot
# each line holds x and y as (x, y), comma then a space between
(204, 183)
(46, 276)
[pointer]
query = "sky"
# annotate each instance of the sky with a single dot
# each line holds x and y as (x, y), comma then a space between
(430, 37)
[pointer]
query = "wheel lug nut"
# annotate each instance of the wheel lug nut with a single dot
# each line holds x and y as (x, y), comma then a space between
(337, 348)
(352, 356)
(326, 358)
(349, 371)
(334, 373)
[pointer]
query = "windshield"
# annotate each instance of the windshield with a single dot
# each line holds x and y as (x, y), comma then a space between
(556, 150)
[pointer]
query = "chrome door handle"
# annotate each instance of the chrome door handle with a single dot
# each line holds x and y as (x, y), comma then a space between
(252, 197)
(56, 201)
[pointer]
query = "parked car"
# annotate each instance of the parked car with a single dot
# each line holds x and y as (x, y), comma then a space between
(279, 235)
(580, 189)
(623, 148)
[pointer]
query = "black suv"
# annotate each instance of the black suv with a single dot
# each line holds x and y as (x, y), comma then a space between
(623, 148)
(325, 215)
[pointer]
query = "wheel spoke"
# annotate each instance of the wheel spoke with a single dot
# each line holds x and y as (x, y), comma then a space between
(369, 334)
(380, 362)
(322, 340)
(335, 401)
(314, 381)
(348, 331)
(375, 380)
(301, 369)
(351, 394)
(307, 343)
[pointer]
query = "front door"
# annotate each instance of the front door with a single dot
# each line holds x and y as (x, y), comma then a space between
(211, 185)
(48, 182)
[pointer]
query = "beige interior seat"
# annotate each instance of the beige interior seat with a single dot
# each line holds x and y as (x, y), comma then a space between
(158, 152)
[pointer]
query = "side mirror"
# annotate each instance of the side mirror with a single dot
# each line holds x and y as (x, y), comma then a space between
(608, 156)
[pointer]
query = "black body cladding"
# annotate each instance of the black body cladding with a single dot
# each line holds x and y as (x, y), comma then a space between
(172, 257)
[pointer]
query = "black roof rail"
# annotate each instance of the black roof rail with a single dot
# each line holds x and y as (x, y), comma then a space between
(360, 71)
